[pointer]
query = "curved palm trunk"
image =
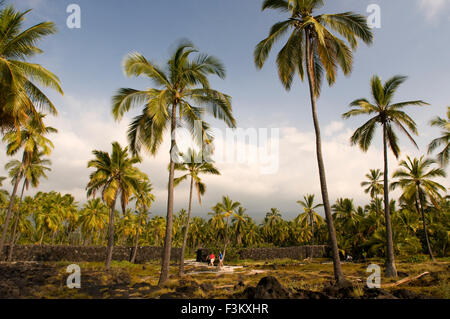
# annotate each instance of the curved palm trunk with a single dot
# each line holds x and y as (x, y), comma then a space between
(109, 249)
(425, 228)
(169, 219)
(391, 270)
(186, 230)
(338, 274)
(13, 237)
(9, 213)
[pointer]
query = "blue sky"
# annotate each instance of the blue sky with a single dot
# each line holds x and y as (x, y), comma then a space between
(413, 40)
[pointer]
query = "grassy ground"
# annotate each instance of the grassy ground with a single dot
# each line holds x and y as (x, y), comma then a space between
(127, 280)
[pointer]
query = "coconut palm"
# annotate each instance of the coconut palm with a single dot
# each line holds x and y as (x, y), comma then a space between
(373, 185)
(115, 175)
(156, 229)
(93, 218)
(144, 200)
(314, 45)
(32, 138)
(182, 87)
(388, 115)
(227, 208)
(309, 216)
(46, 214)
(239, 221)
(193, 164)
(444, 140)
(20, 95)
(32, 173)
(415, 178)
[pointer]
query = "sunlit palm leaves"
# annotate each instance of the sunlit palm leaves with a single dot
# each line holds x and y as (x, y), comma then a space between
(20, 95)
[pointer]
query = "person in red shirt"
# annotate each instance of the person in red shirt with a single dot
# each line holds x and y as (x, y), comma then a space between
(211, 259)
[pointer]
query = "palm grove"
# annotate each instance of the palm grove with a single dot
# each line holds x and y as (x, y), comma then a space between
(118, 209)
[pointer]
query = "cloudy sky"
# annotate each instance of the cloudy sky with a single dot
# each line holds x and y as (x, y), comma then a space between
(412, 41)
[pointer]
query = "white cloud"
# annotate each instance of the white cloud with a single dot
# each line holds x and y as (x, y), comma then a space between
(432, 8)
(88, 125)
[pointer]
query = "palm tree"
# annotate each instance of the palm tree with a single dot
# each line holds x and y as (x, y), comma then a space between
(47, 217)
(309, 213)
(387, 114)
(271, 221)
(347, 215)
(239, 221)
(374, 185)
(19, 93)
(32, 173)
(415, 178)
(93, 218)
(194, 165)
(184, 87)
(115, 175)
(314, 45)
(144, 199)
(444, 124)
(33, 141)
(227, 208)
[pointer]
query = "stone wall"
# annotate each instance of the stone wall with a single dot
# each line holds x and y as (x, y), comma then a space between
(299, 252)
(82, 253)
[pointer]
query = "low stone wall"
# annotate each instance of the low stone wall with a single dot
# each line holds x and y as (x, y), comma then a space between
(299, 252)
(82, 253)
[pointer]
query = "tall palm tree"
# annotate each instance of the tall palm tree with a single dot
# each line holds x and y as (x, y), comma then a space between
(115, 175)
(194, 165)
(444, 124)
(227, 208)
(20, 95)
(388, 115)
(415, 178)
(182, 87)
(33, 141)
(314, 45)
(144, 200)
(32, 173)
(309, 213)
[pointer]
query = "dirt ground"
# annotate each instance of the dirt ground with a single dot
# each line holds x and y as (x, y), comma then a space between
(310, 279)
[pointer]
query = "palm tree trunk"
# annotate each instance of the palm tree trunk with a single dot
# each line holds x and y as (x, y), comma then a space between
(13, 237)
(136, 243)
(425, 228)
(9, 213)
(42, 237)
(391, 270)
(169, 219)
(312, 229)
(338, 274)
(186, 230)
(225, 240)
(109, 249)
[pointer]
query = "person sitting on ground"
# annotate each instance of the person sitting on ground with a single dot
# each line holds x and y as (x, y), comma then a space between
(211, 259)
(220, 260)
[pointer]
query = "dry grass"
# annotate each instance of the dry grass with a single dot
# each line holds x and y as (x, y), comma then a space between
(311, 275)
